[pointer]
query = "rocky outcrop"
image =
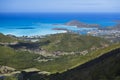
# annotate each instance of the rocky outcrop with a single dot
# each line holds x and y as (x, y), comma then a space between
(6, 69)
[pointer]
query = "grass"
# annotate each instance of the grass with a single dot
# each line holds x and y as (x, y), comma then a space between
(22, 60)
(6, 39)
(67, 42)
(64, 63)
(16, 59)
(102, 68)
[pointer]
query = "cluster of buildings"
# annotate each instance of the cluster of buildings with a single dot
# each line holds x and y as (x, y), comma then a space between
(112, 35)
(115, 33)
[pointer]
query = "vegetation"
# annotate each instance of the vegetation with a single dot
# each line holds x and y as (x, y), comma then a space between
(105, 67)
(15, 59)
(27, 60)
(10, 78)
(6, 39)
(72, 61)
(67, 42)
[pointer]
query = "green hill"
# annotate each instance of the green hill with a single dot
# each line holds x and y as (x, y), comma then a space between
(13, 58)
(67, 42)
(102, 64)
(105, 67)
(6, 39)
(63, 42)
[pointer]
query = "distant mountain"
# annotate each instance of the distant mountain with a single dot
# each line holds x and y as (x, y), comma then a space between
(81, 24)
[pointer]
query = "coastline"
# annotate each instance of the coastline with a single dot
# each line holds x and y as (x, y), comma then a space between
(24, 24)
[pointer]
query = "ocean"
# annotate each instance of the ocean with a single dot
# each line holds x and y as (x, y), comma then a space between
(30, 24)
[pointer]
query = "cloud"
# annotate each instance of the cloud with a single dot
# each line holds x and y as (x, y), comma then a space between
(59, 5)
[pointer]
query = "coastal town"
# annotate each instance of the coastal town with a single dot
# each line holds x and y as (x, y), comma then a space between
(110, 33)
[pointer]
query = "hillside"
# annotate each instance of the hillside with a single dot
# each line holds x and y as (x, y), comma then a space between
(10, 57)
(64, 42)
(68, 42)
(99, 65)
(75, 66)
(105, 67)
(6, 39)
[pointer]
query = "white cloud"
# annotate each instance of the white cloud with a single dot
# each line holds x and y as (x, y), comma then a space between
(59, 5)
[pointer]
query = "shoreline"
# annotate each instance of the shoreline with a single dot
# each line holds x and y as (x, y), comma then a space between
(47, 29)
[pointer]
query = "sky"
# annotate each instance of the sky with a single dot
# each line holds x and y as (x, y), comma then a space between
(59, 6)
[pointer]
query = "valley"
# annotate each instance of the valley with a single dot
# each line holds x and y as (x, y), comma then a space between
(50, 52)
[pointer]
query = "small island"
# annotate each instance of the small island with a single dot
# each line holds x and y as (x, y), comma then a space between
(79, 24)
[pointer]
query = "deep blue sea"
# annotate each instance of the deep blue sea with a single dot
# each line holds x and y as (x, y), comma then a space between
(31, 24)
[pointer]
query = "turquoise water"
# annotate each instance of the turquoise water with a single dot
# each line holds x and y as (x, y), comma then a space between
(30, 24)
(42, 29)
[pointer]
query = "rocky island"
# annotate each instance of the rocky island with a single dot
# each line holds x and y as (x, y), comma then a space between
(79, 24)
